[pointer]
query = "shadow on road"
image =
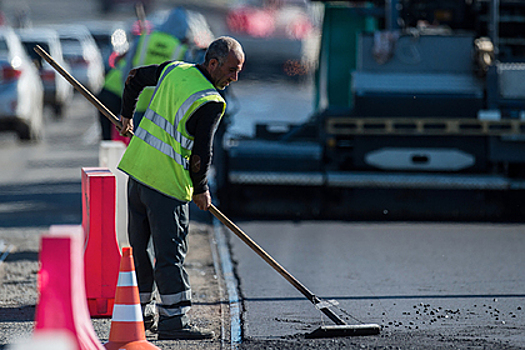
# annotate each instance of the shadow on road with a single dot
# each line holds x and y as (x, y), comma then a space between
(49, 203)
(40, 204)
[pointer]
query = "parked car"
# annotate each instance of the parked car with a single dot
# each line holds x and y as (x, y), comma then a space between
(83, 56)
(112, 39)
(21, 90)
(57, 91)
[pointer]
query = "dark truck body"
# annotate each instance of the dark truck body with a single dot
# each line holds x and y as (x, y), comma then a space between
(411, 121)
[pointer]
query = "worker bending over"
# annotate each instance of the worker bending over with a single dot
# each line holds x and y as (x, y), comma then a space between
(167, 162)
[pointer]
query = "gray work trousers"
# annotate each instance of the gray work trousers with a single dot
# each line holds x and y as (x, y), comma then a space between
(165, 220)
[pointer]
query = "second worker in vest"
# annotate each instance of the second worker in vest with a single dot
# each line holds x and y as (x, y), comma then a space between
(167, 162)
(170, 41)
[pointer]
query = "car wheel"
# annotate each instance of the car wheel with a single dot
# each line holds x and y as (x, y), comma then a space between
(27, 133)
(58, 111)
(23, 131)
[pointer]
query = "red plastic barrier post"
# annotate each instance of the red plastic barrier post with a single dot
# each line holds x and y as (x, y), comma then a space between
(62, 298)
(102, 254)
(115, 136)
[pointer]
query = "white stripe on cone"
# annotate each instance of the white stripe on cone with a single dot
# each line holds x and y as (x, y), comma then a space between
(127, 313)
(127, 279)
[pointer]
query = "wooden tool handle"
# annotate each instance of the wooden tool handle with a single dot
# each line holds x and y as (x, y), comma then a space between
(80, 88)
(263, 254)
(271, 261)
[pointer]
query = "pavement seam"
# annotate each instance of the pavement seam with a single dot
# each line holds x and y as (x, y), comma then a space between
(220, 283)
(231, 285)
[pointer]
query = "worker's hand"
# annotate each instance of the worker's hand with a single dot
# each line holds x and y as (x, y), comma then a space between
(202, 200)
(127, 126)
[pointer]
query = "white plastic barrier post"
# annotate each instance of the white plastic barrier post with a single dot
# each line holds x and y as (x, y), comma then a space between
(52, 340)
(110, 153)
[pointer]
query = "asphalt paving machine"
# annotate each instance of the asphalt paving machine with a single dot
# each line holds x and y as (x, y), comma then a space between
(419, 114)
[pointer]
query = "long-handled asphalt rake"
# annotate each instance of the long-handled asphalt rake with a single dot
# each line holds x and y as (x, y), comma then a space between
(80, 88)
(341, 329)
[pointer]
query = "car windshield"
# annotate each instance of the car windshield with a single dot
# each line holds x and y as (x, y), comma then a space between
(29, 46)
(4, 49)
(71, 45)
(102, 40)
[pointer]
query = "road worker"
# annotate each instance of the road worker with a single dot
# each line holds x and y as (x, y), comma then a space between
(167, 162)
(170, 41)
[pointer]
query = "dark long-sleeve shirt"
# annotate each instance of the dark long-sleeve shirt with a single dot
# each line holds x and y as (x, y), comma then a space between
(201, 125)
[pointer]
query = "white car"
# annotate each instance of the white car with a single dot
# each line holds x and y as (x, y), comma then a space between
(83, 56)
(57, 91)
(21, 90)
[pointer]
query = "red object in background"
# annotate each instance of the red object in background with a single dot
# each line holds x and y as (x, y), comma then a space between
(270, 22)
(9, 73)
(47, 75)
(114, 58)
(300, 27)
(77, 61)
(102, 254)
(255, 22)
(136, 28)
(62, 297)
(115, 136)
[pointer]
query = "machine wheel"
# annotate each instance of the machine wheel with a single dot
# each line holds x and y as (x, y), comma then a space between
(27, 133)
(24, 131)
(58, 111)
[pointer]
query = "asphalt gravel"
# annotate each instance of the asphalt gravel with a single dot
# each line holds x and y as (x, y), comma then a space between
(19, 294)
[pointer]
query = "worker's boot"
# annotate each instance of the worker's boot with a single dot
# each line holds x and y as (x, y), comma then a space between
(150, 323)
(150, 317)
(178, 328)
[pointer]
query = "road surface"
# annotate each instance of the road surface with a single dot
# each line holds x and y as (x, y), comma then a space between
(426, 284)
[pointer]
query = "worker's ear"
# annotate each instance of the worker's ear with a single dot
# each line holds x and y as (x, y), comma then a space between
(214, 63)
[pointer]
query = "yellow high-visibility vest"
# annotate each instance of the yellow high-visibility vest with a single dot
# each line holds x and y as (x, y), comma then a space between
(113, 81)
(156, 48)
(159, 154)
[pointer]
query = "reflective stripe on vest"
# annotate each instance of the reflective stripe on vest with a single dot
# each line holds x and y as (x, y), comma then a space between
(162, 123)
(171, 129)
(162, 147)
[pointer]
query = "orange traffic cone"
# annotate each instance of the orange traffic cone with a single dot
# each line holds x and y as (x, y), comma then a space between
(127, 327)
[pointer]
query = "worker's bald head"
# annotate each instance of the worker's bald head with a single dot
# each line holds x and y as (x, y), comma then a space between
(223, 61)
(220, 49)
